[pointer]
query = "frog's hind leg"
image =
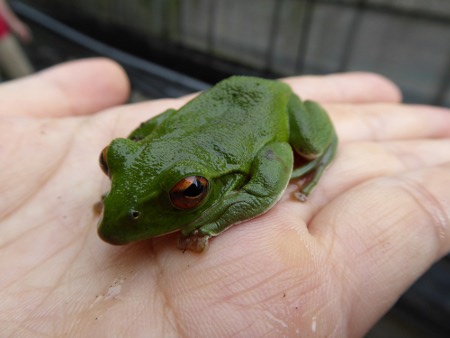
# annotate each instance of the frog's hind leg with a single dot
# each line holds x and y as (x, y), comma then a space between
(313, 137)
(312, 171)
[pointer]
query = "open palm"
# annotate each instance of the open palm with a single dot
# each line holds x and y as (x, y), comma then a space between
(328, 267)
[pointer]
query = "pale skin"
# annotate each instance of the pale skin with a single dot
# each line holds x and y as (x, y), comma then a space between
(329, 267)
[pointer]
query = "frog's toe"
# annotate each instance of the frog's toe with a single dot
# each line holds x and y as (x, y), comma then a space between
(195, 242)
(301, 196)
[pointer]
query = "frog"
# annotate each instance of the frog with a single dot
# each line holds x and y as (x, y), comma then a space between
(223, 158)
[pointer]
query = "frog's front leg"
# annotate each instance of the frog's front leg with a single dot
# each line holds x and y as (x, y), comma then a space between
(312, 135)
(269, 176)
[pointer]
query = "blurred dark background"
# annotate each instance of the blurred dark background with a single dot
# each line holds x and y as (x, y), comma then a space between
(174, 47)
(406, 40)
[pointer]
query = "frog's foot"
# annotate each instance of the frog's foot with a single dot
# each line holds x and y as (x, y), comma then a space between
(306, 186)
(312, 171)
(301, 196)
(98, 207)
(195, 242)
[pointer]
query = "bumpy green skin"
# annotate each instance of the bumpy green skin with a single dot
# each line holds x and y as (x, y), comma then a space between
(240, 135)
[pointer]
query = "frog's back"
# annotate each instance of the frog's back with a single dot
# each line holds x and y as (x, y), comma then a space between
(240, 100)
(235, 119)
(237, 104)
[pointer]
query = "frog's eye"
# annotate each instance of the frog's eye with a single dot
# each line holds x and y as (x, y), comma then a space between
(189, 192)
(103, 163)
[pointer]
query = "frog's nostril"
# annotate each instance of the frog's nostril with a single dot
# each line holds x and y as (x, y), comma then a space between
(135, 214)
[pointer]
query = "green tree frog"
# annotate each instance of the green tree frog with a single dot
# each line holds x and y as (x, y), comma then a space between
(223, 158)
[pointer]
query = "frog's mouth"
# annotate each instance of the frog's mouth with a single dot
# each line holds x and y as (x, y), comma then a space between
(110, 233)
(108, 236)
(121, 235)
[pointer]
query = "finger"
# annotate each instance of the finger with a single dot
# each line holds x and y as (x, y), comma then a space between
(381, 122)
(384, 234)
(351, 87)
(74, 88)
(345, 87)
(362, 161)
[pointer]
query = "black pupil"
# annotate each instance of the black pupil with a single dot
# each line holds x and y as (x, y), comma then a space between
(195, 189)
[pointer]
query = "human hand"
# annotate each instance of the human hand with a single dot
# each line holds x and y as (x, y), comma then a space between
(22, 31)
(328, 267)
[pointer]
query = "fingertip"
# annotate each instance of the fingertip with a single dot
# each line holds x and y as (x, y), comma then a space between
(112, 76)
(355, 87)
(89, 84)
(113, 80)
(377, 83)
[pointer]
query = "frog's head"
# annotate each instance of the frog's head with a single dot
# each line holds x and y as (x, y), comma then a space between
(149, 196)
